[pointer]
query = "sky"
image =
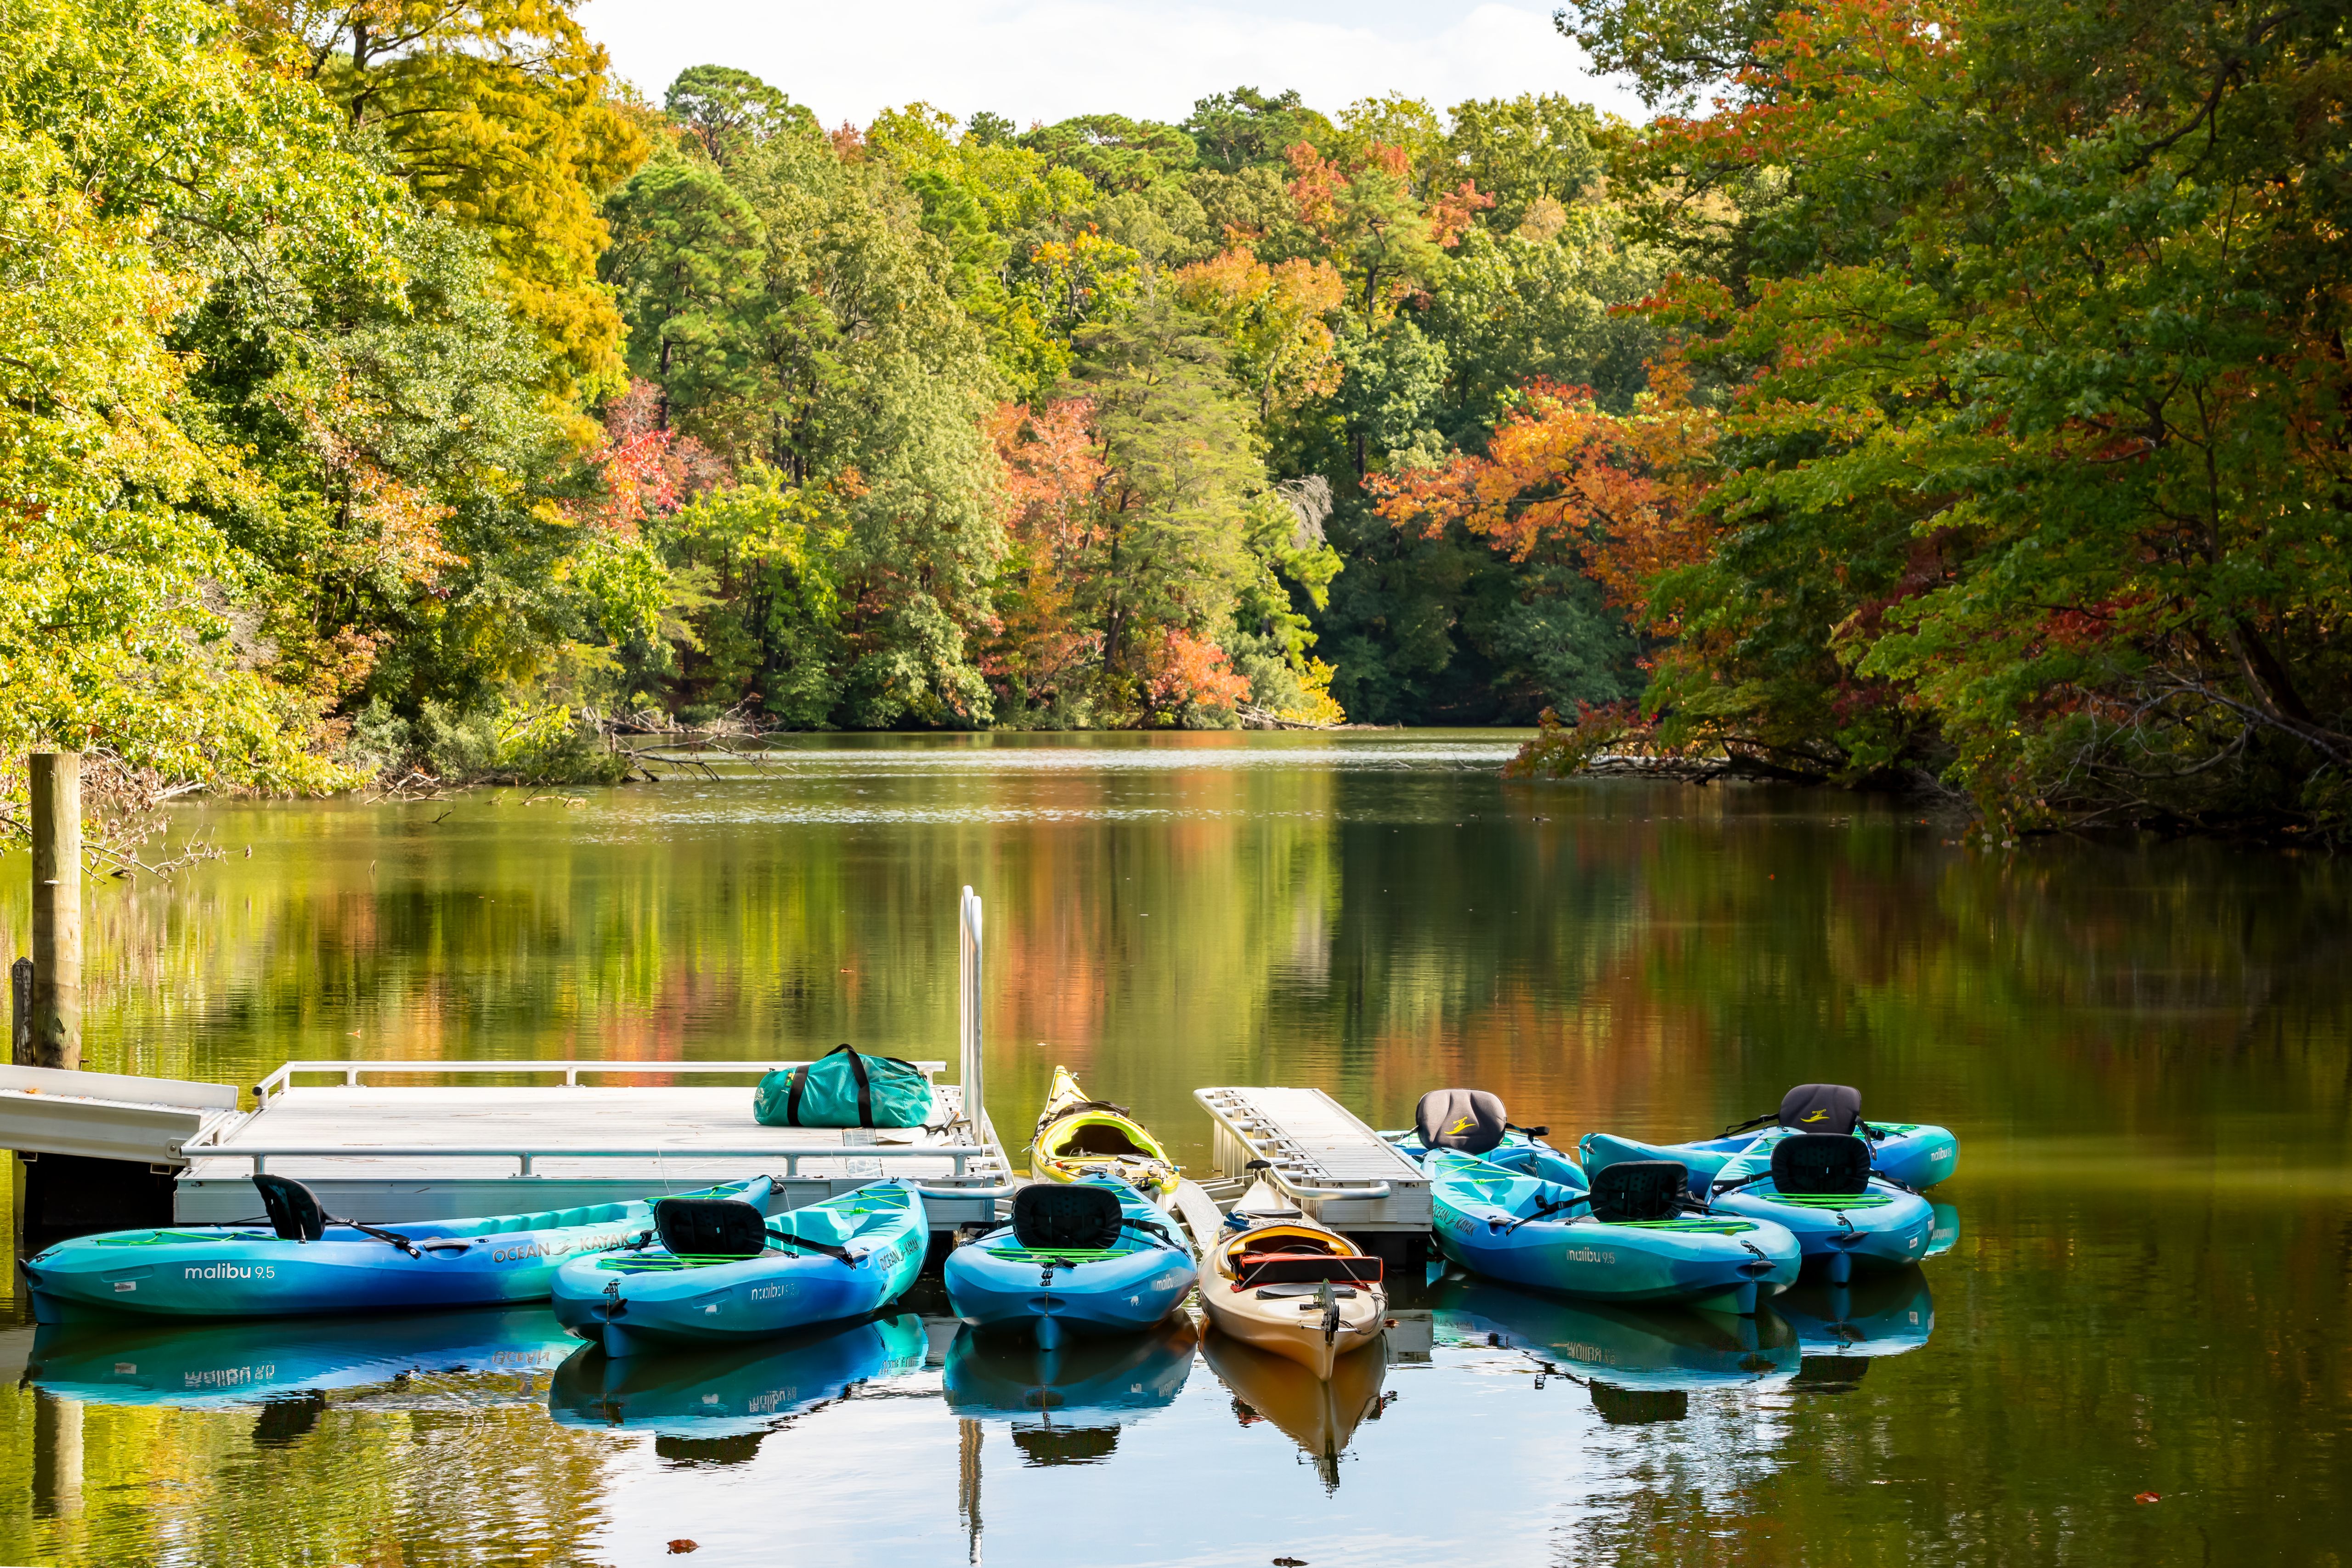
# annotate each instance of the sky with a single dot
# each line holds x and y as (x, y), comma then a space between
(1034, 61)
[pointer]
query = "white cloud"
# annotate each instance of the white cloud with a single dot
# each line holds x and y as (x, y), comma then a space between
(1047, 59)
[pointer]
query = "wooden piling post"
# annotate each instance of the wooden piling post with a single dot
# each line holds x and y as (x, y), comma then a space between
(56, 909)
(56, 1455)
(20, 1013)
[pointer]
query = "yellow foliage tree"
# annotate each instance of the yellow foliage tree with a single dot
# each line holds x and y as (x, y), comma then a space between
(496, 112)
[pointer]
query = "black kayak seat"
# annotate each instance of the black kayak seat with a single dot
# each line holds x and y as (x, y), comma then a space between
(710, 1228)
(1048, 1216)
(1469, 1120)
(293, 1209)
(1821, 1164)
(1640, 1190)
(1822, 1108)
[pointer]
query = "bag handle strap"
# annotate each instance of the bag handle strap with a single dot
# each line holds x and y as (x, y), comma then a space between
(865, 1087)
(800, 1086)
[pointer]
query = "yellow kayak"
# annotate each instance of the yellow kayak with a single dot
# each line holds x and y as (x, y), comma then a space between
(1080, 1137)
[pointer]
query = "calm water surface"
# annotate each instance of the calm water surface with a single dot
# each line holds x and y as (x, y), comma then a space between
(2143, 1048)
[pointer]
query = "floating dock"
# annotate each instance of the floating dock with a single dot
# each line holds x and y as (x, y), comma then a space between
(102, 1151)
(1331, 1163)
(380, 1152)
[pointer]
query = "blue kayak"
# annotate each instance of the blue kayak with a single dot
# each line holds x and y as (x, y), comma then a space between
(1910, 1154)
(305, 1262)
(1840, 1212)
(214, 1365)
(732, 1391)
(1091, 1255)
(1629, 1238)
(721, 1270)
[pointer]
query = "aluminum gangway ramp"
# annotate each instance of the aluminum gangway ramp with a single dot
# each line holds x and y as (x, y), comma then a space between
(1329, 1163)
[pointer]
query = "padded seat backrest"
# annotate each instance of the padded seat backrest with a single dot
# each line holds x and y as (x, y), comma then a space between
(1820, 1163)
(710, 1228)
(1304, 1268)
(293, 1208)
(1822, 1108)
(1048, 1216)
(1469, 1120)
(1640, 1189)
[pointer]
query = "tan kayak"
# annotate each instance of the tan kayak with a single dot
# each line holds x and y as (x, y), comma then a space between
(1319, 1413)
(1290, 1285)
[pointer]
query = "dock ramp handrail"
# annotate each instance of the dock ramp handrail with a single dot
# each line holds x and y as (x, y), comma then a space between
(107, 1116)
(354, 1069)
(1319, 1154)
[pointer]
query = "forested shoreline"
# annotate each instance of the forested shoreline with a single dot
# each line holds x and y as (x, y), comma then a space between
(1945, 396)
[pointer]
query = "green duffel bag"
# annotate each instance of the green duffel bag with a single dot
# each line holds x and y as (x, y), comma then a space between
(843, 1088)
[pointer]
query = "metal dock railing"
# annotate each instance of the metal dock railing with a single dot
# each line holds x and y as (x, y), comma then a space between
(1331, 1163)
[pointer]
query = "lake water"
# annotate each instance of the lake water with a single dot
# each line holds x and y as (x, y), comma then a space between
(2146, 1050)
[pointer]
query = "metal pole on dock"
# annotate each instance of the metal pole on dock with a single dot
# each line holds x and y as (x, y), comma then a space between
(968, 1004)
(56, 909)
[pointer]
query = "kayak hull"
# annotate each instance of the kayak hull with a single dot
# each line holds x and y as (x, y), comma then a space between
(1888, 1229)
(993, 1282)
(1481, 1222)
(1915, 1154)
(1294, 1320)
(1882, 1227)
(629, 1303)
(235, 1271)
(1295, 1335)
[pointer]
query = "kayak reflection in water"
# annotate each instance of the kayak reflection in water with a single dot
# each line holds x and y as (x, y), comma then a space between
(1843, 1328)
(714, 1405)
(1640, 1363)
(286, 1370)
(1320, 1414)
(1065, 1405)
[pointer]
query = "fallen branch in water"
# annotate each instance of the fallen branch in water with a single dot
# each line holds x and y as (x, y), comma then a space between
(122, 810)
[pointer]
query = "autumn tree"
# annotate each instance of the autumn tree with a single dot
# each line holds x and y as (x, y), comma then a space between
(495, 113)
